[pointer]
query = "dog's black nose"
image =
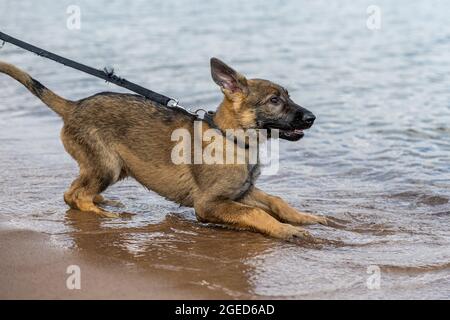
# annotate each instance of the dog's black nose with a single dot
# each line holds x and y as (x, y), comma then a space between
(308, 118)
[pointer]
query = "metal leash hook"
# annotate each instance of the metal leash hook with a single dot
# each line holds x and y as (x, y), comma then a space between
(199, 113)
(200, 110)
(175, 103)
(3, 44)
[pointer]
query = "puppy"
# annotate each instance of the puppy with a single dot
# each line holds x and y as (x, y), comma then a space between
(113, 136)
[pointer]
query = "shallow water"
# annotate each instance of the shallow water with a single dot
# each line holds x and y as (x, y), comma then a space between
(377, 159)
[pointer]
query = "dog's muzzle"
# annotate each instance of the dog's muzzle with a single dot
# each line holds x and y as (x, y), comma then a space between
(303, 120)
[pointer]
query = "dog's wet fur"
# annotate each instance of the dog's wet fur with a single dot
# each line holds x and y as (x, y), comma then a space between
(113, 136)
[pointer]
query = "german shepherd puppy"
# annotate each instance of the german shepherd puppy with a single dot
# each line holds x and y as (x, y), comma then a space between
(113, 136)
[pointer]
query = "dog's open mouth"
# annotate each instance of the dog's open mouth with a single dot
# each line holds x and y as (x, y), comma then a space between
(292, 135)
(287, 133)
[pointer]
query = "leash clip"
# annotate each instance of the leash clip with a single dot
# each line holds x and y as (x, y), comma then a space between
(199, 113)
(174, 103)
(3, 44)
(202, 111)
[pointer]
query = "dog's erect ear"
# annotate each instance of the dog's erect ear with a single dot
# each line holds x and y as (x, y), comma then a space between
(227, 78)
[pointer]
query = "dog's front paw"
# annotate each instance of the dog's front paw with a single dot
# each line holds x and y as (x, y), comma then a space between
(320, 220)
(290, 233)
(305, 218)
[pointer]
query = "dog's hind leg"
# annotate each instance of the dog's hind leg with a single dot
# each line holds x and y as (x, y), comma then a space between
(99, 168)
(83, 191)
(99, 199)
(68, 195)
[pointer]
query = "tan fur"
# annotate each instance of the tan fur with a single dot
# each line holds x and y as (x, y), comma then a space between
(56, 103)
(113, 136)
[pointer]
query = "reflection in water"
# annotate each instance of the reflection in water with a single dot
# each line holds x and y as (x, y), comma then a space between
(198, 254)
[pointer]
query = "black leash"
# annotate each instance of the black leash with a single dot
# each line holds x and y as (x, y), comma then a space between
(109, 76)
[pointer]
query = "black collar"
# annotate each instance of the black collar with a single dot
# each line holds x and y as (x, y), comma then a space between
(208, 117)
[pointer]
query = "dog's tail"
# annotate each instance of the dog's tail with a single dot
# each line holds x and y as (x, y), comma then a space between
(58, 104)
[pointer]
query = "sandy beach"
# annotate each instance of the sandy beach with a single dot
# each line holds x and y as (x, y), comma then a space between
(32, 268)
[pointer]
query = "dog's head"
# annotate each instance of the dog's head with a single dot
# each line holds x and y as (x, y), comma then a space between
(260, 104)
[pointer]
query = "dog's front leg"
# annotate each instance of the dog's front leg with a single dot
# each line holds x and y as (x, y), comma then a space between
(241, 216)
(279, 208)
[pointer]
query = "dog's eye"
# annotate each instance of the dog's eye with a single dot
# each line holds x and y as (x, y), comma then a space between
(275, 99)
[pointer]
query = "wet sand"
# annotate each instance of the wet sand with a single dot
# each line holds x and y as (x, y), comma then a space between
(32, 268)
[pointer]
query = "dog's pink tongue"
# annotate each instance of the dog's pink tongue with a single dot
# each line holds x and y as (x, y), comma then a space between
(298, 131)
